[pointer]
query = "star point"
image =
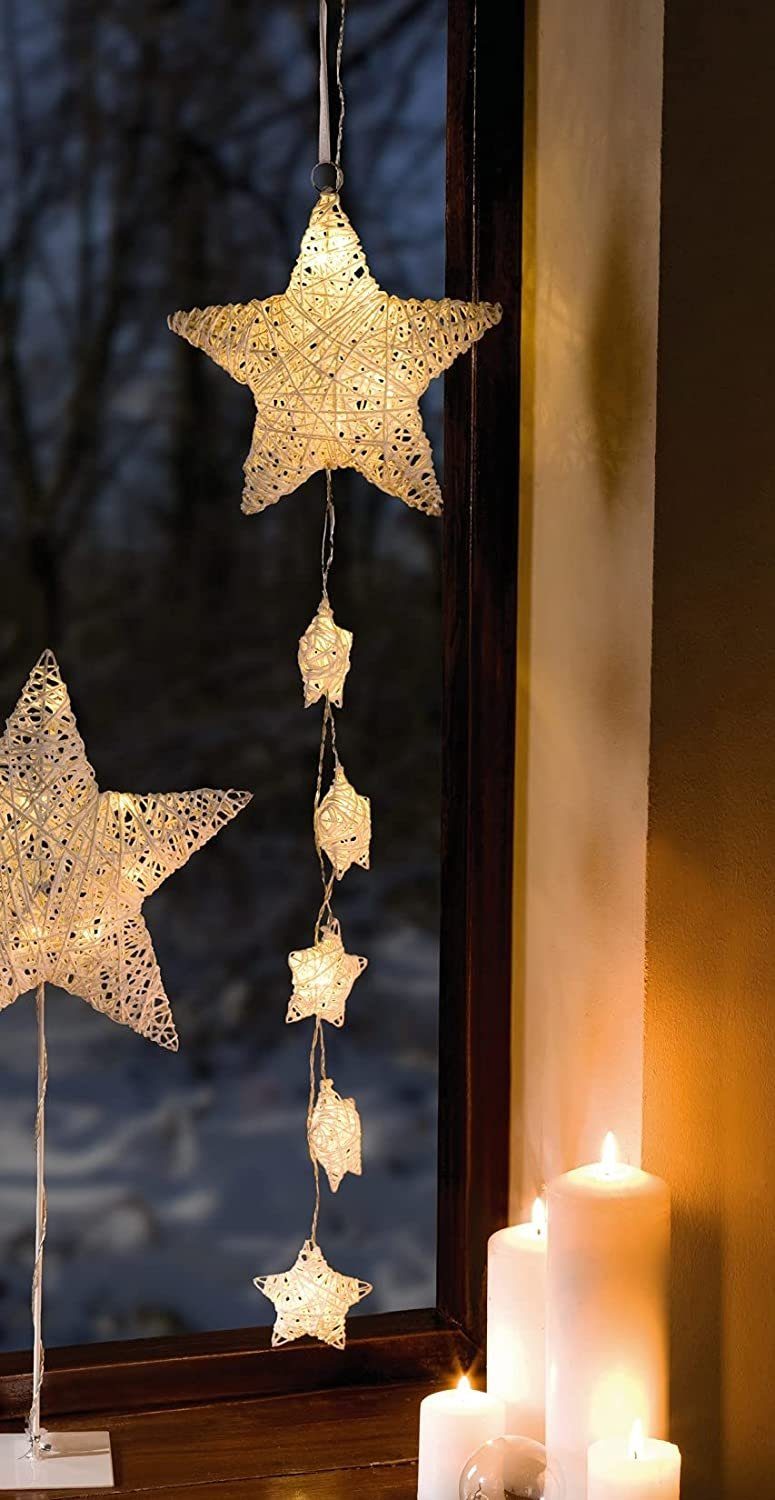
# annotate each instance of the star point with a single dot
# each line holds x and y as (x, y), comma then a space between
(77, 863)
(336, 367)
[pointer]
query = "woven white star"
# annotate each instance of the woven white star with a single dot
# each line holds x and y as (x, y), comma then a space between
(323, 977)
(324, 657)
(76, 864)
(335, 1134)
(311, 1299)
(336, 367)
(343, 825)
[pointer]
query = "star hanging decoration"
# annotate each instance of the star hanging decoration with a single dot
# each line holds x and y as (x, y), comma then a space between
(335, 1134)
(323, 977)
(324, 657)
(336, 367)
(311, 1298)
(76, 864)
(343, 825)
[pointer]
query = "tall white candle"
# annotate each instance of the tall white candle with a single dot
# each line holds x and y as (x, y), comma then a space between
(453, 1424)
(516, 1322)
(639, 1469)
(607, 1309)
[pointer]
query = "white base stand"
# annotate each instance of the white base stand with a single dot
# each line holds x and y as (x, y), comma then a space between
(75, 1461)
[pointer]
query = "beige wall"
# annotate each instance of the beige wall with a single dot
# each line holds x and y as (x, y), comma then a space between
(591, 284)
(710, 1014)
(689, 1077)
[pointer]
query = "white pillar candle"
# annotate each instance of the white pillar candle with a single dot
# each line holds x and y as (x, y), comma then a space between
(516, 1323)
(453, 1424)
(639, 1469)
(607, 1309)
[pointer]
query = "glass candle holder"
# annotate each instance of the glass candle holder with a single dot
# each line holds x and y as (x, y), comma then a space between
(510, 1468)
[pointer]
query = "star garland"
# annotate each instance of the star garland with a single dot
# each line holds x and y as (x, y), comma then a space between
(311, 1298)
(336, 367)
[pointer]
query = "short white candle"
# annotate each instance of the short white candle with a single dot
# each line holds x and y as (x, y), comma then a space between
(607, 1309)
(639, 1469)
(453, 1424)
(516, 1323)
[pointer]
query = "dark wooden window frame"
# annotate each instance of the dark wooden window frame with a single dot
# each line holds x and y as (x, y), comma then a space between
(484, 209)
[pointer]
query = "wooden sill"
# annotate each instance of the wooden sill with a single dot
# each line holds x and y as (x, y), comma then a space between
(199, 1369)
(345, 1444)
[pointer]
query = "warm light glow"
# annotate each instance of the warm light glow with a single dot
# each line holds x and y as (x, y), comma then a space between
(610, 1153)
(538, 1217)
(614, 1395)
(637, 1440)
(93, 934)
(464, 1383)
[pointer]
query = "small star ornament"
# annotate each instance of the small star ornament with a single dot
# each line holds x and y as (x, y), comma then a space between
(335, 1134)
(311, 1299)
(323, 977)
(336, 367)
(343, 825)
(324, 657)
(77, 863)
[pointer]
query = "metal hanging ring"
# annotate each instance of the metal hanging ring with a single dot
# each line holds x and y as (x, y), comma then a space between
(327, 177)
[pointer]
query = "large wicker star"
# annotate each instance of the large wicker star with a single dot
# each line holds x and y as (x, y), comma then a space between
(76, 864)
(337, 367)
(311, 1298)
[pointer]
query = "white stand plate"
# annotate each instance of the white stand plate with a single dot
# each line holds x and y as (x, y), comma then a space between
(75, 1461)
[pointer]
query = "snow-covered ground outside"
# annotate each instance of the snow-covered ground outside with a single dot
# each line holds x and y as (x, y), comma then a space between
(169, 1192)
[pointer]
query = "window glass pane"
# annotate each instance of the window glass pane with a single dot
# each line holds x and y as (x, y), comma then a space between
(154, 157)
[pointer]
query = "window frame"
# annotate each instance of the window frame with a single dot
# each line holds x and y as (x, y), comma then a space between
(485, 73)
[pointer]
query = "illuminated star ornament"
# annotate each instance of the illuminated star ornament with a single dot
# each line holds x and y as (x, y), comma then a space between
(311, 1298)
(336, 367)
(324, 657)
(323, 977)
(77, 863)
(335, 1134)
(343, 825)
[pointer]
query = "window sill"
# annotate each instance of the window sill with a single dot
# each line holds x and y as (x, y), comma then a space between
(359, 1443)
(200, 1369)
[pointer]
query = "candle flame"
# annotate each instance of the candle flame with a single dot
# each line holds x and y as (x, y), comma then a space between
(610, 1153)
(637, 1440)
(538, 1217)
(464, 1383)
